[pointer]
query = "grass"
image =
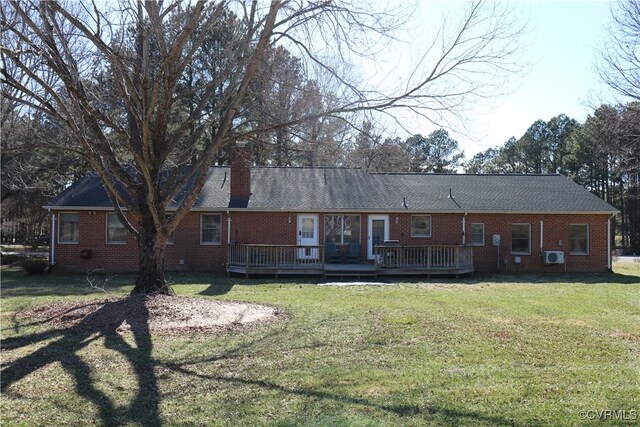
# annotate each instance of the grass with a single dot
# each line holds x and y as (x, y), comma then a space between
(496, 350)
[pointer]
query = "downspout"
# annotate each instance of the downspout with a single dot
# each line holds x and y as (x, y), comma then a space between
(464, 228)
(609, 266)
(541, 236)
(228, 228)
(52, 261)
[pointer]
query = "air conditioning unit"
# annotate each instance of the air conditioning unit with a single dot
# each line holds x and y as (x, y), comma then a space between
(553, 257)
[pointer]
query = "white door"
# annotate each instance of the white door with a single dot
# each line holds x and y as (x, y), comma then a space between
(378, 232)
(308, 236)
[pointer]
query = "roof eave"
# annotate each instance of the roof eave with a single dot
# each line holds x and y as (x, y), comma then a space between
(353, 210)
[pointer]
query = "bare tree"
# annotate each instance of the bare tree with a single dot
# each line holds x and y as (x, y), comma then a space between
(36, 165)
(619, 65)
(619, 68)
(113, 77)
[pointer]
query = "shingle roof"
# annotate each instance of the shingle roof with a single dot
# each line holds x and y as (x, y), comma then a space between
(88, 191)
(318, 189)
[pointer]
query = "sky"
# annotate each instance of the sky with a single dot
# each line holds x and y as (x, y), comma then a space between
(562, 43)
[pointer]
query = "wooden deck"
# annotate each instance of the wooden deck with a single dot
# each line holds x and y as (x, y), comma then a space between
(277, 260)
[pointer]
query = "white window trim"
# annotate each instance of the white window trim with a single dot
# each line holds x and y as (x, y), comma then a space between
(202, 215)
(421, 236)
(528, 252)
(68, 242)
(471, 234)
(106, 231)
(588, 246)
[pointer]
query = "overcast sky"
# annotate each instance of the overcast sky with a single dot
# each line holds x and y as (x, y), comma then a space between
(562, 40)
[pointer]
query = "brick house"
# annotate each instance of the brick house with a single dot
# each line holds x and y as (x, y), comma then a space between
(348, 221)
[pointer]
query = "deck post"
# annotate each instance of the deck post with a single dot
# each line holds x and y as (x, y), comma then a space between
(324, 272)
(457, 258)
(246, 261)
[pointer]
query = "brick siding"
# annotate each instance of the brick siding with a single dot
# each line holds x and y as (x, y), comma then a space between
(281, 228)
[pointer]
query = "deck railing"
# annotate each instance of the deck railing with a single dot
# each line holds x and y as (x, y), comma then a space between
(274, 255)
(427, 257)
(434, 257)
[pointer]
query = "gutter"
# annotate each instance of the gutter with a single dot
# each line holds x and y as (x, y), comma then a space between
(84, 208)
(386, 210)
(609, 263)
(346, 210)
(52, 260)
(464, 228)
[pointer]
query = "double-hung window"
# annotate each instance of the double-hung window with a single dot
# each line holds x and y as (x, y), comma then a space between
(477, 234)
(579, 239)
(116, 233)
(171, 240)
(421, 226)
(521, 239)
(69, 228)
(210, 229)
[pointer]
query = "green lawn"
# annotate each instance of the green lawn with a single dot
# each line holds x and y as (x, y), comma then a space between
(499, 350)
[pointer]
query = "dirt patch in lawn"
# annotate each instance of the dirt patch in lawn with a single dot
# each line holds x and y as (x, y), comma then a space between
(158, 314)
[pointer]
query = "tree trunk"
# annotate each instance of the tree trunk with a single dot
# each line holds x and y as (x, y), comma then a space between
(633, 204)
(151, 251)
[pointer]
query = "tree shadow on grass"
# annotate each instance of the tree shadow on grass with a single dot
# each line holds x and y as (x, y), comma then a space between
(444, 415)
(221, 284)
(217, 289)
(144, 408)
(103, 323)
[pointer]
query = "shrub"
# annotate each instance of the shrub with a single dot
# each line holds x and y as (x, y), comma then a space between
(34, 266)
(8, 259)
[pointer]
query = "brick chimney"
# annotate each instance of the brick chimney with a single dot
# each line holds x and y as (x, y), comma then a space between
(240, 174)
